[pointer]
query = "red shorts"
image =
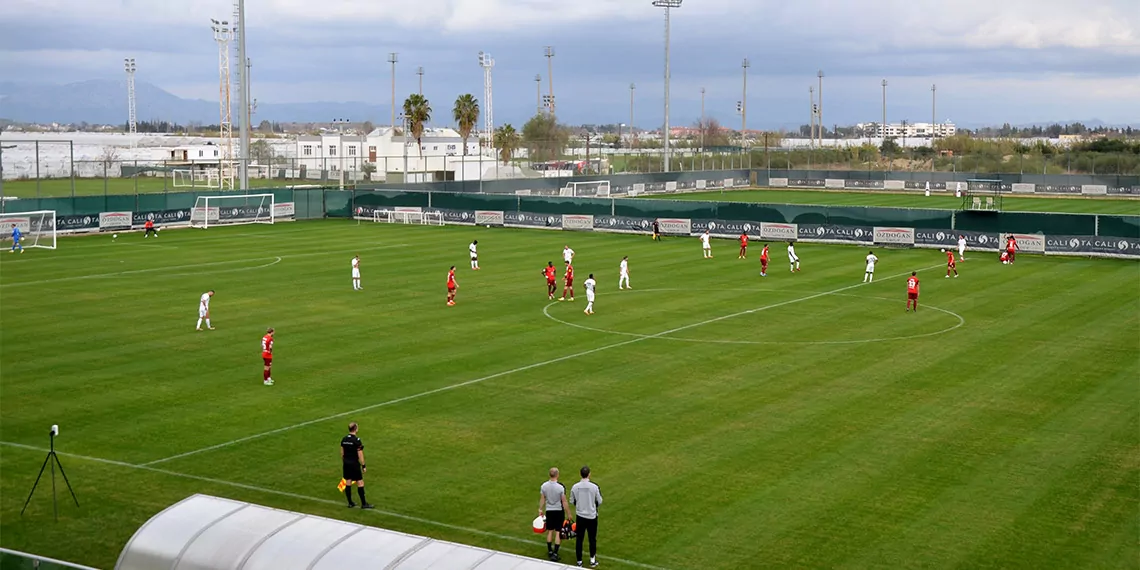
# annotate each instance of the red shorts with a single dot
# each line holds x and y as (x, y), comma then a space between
(949, 266)
(910, 295)
(267, 359)
(451, 289)
(764, 261)
(569, 283)
(551, 282)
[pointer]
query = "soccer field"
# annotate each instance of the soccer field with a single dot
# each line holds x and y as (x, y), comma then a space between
(732, 421)
(1129, 206)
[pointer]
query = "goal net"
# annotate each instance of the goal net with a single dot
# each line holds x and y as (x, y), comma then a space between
(982, 195)
(37, 229)
(187, 178)
(408, 217)
(235, 209)
(586, 189)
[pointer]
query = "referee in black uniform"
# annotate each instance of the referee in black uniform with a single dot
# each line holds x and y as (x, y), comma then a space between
(352, 456)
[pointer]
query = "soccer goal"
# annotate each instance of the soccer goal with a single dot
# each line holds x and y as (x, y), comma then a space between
(408, 217)
(982, 195)
(187, 178)
(37, 228)
(234, 209)
(586, 189)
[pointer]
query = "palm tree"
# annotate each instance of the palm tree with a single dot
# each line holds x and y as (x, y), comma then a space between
(466, 114)
(506, 140)
(417, 111)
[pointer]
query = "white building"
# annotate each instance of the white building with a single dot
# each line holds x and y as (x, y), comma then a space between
(910, 130)
(440, 152)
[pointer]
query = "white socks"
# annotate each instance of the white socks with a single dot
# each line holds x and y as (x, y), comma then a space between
(200, 323)
(589, 307)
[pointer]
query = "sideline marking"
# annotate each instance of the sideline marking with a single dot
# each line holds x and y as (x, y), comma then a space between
(297, 496)
(508, 372)
(212, 263)
(961, 321)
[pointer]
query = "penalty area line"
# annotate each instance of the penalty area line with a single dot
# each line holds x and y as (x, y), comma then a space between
(297, 496)
(472, 382)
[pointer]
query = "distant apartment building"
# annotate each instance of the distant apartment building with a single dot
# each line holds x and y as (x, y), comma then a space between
(909, 130)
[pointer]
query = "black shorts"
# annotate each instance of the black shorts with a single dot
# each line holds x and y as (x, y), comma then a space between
(352, 472)
(555, 519)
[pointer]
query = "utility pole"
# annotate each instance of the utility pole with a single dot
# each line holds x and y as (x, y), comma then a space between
(933, 114)
(884, 123)
(420, 72)
(819, 113)
(393, 57)
(704, 125)
(537, 94)
(632, 129)
(550, 75)
(743, 105)
(811, 111)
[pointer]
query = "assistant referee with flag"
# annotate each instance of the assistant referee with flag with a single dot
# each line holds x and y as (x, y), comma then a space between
(352, 456)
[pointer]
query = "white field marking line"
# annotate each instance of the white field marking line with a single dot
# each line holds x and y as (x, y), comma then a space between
(498, 375)
(961, 321)
(209, 264)
(297, 496)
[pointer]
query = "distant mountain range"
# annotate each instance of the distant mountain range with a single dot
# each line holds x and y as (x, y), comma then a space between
(105, 102)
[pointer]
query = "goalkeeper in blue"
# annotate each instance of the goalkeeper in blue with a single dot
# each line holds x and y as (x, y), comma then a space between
(16, 235)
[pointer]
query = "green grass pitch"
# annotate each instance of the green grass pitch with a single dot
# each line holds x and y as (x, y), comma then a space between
(939, 200)
(732, 421)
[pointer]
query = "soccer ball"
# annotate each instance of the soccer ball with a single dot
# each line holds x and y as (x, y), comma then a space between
(114, 236)
(942, 250)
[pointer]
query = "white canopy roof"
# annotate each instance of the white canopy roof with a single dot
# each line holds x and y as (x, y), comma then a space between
(211, 533)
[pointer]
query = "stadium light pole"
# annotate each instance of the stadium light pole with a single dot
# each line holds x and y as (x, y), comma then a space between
(743, 104)
(704, 126)
(933, 113)
(340, 123)
(819, 112)
(811, 113)
(883, 125)
(550, 75)
(632, 129)
(243, 99)
(537, 94)
(132, 125)
(668, 5)
(420, 72)
(393, 57)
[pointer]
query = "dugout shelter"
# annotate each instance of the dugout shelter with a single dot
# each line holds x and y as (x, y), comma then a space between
(203, 532)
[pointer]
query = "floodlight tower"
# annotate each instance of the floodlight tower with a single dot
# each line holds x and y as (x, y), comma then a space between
(393, 57)
(744, 103)
(632, 129)
(420, 72)
(132, 127)
(550, 74)
(537, 94)
(668, 5)
(819, 112)
(223, 33)
(243, 94)
(487, 63)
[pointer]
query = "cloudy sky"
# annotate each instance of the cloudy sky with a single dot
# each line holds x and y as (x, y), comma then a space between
(992, 61)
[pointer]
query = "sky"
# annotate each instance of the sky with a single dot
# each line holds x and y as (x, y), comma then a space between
(1016, 61)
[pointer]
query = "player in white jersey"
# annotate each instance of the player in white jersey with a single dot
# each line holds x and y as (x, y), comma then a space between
(590, 284)
(793, 259)
(474, 254)
(961, 248)
(706, 247)
(204, 310)
(623, 274)
(869, 276)
(567, 254)
(356, 274)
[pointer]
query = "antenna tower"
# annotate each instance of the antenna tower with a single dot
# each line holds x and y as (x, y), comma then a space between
(486, 62)
(132, 126)
(223, 34)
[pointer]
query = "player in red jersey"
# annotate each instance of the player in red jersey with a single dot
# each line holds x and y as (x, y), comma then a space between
(568, 277)
(743, 245)
(149, 228)
(451, 286)
(551, 274)
(950, 266)
(267, 356)
(764, 261)
(912, 291)
(1011, 247)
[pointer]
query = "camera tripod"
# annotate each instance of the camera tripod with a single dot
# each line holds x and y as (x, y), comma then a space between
(53, 459)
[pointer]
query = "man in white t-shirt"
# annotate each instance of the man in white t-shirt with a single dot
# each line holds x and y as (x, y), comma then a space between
(567, 254)
(204, 309)
(869, 276)
(706, 247)
(590, 284)
(793, 259)
(623, 274)
(356, 274)
(473, 248)
(961, 248)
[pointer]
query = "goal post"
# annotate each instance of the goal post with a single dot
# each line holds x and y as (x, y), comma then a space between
(593, 188)
(37, 228)
(433, 218)
(982, 195)
(232, 209)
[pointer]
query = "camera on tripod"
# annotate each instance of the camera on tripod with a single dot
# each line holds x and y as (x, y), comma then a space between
(54, 430)
(52, 459)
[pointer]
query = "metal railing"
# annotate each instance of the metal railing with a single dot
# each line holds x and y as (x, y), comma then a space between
(16, 560)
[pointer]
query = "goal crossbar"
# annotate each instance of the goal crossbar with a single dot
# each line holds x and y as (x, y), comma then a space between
(233, 209)
(600, 188)
(408, 217)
